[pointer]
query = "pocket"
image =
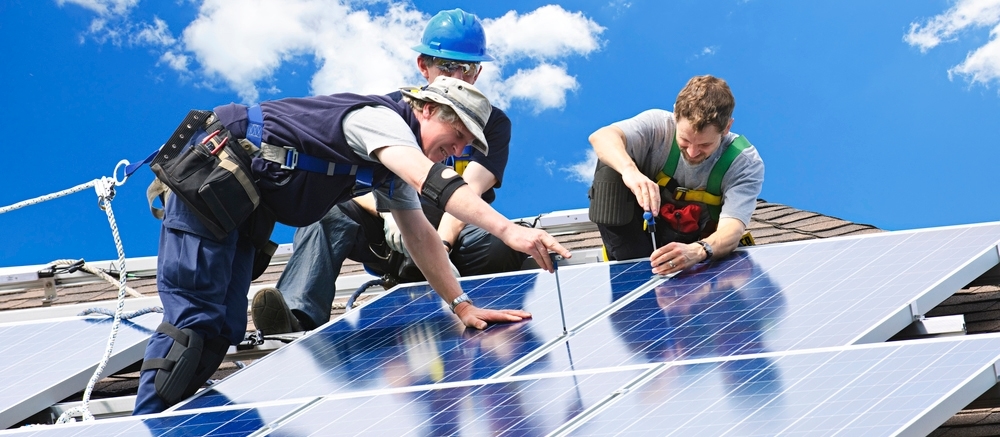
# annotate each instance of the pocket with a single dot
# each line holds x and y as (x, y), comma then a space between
(681, 223)
(218, 189)
(228, 191)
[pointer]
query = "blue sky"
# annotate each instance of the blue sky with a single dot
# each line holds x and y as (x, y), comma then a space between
(875, 112)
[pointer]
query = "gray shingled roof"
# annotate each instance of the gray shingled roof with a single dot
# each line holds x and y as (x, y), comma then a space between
(771, 223)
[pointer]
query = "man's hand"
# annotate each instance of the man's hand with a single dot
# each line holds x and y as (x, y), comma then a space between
(674, 257)
(475, 317)
(393, 237)
(647, 192)
(534, 242)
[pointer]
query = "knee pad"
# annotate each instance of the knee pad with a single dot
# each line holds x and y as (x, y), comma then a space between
(212, 355)
(175, 371)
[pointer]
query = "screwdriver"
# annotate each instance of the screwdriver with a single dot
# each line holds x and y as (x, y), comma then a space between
(650, 226)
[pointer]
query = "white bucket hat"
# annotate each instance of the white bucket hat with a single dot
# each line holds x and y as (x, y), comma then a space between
(472, 107)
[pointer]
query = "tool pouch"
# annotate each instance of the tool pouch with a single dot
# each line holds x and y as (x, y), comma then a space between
(213, 178)
(682, 222)
(611, 202)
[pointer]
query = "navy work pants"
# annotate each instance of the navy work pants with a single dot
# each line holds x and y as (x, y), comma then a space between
(202, 283)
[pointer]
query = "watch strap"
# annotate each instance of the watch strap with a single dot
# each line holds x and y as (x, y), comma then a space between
(708, 250)
(459, 300)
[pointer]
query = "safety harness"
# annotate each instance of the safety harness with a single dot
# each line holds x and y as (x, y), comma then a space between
(459, 163)
(290, 159)
(711, 195)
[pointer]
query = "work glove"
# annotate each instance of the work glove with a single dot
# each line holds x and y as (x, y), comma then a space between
(393, 237)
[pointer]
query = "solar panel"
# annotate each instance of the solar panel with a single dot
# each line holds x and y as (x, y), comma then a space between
(785, 297)
(895, 388)
(882, 389)
(534, 406)
(45, 362)
(408, 337)
(232, 422)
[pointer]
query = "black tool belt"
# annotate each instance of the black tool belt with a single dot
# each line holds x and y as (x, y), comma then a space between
(209, 170)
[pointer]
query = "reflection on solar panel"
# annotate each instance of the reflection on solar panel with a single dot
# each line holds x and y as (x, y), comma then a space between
(45, 362)
(407, 337)
(786, 297)
(888, 389)
(768, 341)
(535, 406)
(237, 421)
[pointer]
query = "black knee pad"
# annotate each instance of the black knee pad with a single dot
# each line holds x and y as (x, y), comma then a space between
(175, 372)
(212, 355)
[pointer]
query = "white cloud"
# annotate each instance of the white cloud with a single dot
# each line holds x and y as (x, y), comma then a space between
(242, 45)
(583, 171)
(544, 87)
(156, 34)
(942, 28)
(103, 7)
(109, 25)
(545, 33)
(982, 65)
(176, 61)
(546, 165)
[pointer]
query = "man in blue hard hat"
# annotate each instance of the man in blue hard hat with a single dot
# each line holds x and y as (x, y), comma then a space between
(453, 45)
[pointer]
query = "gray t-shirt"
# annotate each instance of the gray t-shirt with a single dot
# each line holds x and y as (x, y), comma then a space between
(371, 128)
(648, 138)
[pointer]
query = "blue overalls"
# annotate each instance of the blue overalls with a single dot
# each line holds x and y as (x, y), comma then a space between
(203, 281)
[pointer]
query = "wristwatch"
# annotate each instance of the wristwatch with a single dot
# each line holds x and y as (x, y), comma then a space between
(459, 300)
(708, 250)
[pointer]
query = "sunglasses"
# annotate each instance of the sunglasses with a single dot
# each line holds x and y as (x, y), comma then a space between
(447, 65)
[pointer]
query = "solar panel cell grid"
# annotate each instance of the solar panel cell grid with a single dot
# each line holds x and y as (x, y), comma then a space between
(783, 297)
(864, 391)
(39, 359)
(236, 422)
(531, 407)
(408, 338)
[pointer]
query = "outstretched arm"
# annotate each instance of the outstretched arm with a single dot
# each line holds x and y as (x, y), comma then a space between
(412, 166)
(429, 254)
(609, 144)
(479, 179)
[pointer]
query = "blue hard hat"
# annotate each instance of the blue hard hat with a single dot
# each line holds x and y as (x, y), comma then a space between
(455, 35)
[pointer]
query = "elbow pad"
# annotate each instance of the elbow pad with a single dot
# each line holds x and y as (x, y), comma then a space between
(438, 189)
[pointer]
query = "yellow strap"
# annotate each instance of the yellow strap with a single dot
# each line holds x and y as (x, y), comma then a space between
(700, 196)
(460, 166)
(604, 253)
(662, 179)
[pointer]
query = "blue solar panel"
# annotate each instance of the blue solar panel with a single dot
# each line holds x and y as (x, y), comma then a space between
(408, 337)
(44, 362)
(786, 297)
(240, 421)
(886, 389)
(532, 407)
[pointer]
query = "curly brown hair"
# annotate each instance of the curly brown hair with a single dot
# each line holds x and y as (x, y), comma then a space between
(705, 101)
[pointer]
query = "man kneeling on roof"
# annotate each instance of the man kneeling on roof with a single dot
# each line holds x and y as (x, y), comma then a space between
(698, 181)
(290, 161)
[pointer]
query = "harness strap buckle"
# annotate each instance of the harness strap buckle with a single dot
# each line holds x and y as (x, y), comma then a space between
(680, 193)
(291, 158)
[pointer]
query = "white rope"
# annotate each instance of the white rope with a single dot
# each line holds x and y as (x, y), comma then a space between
(105, 192)
(46, 197)
(96, 272)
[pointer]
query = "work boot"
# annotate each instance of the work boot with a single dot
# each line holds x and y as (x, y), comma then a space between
(270, 313)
